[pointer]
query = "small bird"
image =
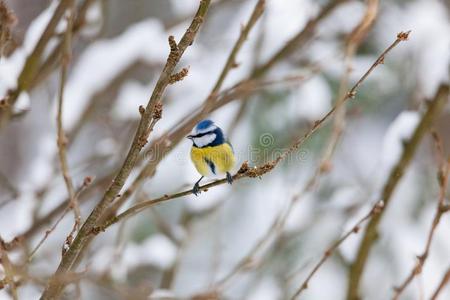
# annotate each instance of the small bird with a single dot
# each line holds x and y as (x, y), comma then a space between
(210, 153)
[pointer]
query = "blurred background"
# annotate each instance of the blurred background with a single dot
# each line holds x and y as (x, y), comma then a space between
(228, 242)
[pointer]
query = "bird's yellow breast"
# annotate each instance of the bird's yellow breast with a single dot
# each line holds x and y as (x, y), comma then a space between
(213, 160)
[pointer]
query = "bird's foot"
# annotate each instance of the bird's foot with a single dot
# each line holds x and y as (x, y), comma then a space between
(229, 178)
(196, 189)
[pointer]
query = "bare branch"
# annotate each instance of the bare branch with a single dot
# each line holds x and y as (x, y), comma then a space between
(61, 137)
(87, 181)
(231, 61)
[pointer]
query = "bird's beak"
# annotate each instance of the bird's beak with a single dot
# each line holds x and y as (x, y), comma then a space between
(190, 137)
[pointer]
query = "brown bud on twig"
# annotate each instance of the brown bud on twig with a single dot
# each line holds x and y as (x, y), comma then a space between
(87, 180)
(378, 207)
(351, 94)
(157, 112)
(96, 230)
(403, 36)
(141, 109)
(244, 168)
(4, 103)
(234, 64)
(178, 76)
(142, 141)
(260, 170)
(173, 44)
(174, 51)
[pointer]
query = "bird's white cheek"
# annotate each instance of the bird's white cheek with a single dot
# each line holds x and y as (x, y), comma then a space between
(205, 140)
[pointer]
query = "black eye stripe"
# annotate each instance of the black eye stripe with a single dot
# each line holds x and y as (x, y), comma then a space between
(202, 134)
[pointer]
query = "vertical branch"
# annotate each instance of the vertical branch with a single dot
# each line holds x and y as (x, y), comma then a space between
(410, 147)
(61, 137)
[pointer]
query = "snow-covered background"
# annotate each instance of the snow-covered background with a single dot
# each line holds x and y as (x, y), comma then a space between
(185, 247)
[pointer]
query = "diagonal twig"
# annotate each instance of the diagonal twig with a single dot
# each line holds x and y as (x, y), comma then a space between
(87, 181)
(376, 209)
(445, 280)
(61, 137)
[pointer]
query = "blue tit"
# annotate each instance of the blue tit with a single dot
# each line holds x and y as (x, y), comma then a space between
(211, 153)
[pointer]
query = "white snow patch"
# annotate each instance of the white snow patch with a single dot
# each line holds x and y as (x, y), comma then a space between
(398, 132)
(23, 102)
(131, 95)
(313, 98)
(157, 250)
(103, 60)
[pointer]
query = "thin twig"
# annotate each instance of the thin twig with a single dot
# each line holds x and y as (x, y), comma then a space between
(443, 174)
(376, 209)
(61, 137)
(410, 147)
(445, 280)
(55, 212)
(354, 40)
(47, 234)
(299, 39)
(87, 181)
(231, 61)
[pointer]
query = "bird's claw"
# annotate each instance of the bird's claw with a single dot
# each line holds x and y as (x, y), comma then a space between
(196, 189)
(229, 178)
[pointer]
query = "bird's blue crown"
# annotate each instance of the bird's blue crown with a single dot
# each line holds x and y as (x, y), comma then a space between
(204, 124)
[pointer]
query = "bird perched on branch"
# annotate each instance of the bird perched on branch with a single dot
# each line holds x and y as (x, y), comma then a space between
(211, 153)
